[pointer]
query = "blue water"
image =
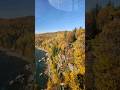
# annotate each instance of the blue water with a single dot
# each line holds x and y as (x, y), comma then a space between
(10, 67)
(40, 68)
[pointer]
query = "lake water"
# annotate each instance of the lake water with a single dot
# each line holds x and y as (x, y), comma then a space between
(10, 67)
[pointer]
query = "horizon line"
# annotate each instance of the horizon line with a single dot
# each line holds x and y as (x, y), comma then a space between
(58, 30)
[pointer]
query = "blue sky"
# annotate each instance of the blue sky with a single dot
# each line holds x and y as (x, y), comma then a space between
(16, 8)
(90, 4)
(50, 19)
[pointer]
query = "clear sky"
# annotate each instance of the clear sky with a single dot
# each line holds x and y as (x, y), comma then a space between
(90, 4)
(50, 18)
(16, 8)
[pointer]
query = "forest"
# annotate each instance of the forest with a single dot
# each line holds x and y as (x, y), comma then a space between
(85, 59)
(17, 35)
(103, 47)
(66, 58)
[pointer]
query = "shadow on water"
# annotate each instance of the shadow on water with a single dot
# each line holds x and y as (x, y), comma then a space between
(41, 67)
(10, 67)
